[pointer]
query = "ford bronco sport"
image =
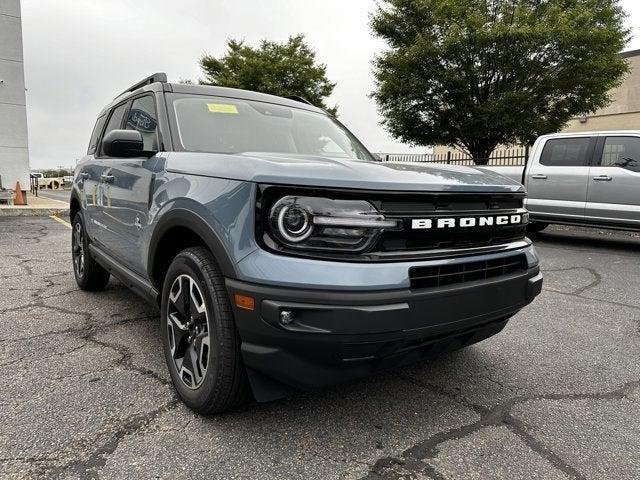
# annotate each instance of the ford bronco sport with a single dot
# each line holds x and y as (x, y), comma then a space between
(282, 254)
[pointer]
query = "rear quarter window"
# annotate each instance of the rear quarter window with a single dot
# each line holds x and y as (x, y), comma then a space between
(566, 152)
(621, 152)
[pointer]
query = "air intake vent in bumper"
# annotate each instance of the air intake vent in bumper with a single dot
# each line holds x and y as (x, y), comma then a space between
(429, 277)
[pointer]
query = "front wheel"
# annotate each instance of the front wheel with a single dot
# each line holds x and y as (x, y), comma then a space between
(201, 344)
(90, 276)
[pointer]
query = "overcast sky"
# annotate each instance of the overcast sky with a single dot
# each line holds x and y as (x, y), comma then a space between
(81, 54)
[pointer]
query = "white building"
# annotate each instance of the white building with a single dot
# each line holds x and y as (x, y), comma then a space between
(14, 152)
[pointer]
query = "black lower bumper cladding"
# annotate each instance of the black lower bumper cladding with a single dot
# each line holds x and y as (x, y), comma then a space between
(327, 337)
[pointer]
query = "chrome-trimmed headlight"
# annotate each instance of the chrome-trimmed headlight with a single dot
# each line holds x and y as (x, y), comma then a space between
(320, 224)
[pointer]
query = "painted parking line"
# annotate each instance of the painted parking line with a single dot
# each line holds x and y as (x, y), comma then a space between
(63, 222)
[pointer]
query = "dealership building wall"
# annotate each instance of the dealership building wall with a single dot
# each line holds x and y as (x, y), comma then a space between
(14, 151)
(623, 113)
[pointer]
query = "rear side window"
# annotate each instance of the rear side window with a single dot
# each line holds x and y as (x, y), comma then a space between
(142, 117)
(566, 152)
(97, 130)
(115, 120)
(623, 152)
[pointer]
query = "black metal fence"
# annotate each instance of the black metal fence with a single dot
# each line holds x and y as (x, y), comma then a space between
(511, 157)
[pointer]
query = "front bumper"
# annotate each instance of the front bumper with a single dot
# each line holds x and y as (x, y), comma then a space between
(337, 336)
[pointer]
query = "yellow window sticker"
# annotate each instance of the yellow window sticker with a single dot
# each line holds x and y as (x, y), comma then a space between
(222, 108)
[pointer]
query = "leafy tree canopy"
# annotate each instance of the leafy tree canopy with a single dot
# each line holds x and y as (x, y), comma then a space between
(476, 74)
(282, 69)
(59, 172)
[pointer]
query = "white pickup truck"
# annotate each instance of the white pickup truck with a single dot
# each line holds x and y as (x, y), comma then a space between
(589, 179)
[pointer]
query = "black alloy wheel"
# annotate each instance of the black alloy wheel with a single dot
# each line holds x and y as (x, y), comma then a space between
(188, 331)
(90, 276)
(77, 249)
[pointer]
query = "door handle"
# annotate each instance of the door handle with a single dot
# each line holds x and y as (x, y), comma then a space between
(602, 178)
(539, 176)
(107, 178)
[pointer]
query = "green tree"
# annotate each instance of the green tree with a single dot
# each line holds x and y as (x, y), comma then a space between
(58, 172)
(282, 69)
(476, 74)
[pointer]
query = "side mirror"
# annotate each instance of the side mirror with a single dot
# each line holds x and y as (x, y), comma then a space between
(124, 143)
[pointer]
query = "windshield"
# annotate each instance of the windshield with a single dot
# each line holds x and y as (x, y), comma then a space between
(223, 125)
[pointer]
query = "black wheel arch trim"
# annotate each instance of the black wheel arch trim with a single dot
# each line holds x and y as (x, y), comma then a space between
(186, 217)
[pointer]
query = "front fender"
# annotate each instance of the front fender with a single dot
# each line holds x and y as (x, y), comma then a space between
(219, 211)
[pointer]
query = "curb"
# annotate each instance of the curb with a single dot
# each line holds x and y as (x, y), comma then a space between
(33, 212)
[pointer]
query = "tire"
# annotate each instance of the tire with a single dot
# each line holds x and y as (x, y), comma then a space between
(536, 227)
(90, 276)
(205, 366)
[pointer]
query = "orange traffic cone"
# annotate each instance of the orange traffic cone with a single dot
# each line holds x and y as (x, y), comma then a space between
(20, 200)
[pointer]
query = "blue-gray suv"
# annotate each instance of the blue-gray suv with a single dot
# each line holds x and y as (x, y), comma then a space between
(283, 255)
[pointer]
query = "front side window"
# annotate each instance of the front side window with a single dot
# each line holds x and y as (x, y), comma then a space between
(223, 125)
(115, 120)
(142, 117)
(566, 152)
(623, 152)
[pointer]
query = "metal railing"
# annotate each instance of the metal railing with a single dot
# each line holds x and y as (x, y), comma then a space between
(512, 157)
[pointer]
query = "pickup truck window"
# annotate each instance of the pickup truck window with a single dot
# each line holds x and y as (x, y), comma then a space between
(224, 125)
(623, 152)
(566, 152)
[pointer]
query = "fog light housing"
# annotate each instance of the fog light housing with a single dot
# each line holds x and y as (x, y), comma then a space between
(286, 317)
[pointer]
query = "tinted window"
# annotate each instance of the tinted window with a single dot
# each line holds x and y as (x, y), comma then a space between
(115, 120)
(97, 130)
(566, 152)
(142, 117)
(623, 152)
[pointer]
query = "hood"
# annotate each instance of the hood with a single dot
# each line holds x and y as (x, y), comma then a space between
(317, 171)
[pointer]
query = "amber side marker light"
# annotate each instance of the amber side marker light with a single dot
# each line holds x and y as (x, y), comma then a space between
(244, 301)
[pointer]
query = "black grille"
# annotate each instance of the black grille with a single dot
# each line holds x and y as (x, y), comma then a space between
(429, 277)
(410, 206)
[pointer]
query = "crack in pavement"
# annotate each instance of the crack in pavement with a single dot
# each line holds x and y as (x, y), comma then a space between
(414, 457)
(87, 330)
(46, 357)
(597, 278)
(89, 467)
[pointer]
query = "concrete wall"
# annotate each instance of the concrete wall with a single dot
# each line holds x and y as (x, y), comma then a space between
(623, 113)
(621, 121)
(14, 152)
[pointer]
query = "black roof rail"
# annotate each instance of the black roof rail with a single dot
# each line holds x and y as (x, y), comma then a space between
(156, 77)
(300, 99)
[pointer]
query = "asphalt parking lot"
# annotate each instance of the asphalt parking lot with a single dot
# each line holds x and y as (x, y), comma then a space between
(85, 393)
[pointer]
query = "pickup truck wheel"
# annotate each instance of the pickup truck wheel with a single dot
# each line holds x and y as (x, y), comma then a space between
(535, 227)
(201, 343)
(90, 276)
